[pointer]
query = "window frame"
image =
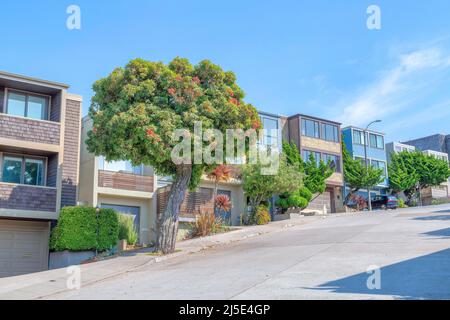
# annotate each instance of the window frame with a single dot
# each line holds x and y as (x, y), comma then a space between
(27, 94)
(376, 136)
(24, 157)
(320, 129)
(102, 161)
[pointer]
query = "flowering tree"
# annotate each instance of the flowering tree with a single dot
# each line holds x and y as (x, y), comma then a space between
(136, 109)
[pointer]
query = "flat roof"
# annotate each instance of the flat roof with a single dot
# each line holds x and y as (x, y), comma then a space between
(361, 129)
(31, 80)
(313, 117)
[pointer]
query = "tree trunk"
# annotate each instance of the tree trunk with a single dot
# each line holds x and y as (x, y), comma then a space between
(168, 222)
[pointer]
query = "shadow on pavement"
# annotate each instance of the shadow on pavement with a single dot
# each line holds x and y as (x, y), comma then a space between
(425, 277)
(442, 234)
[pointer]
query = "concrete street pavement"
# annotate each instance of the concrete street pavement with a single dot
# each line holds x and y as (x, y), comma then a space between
(323, 259)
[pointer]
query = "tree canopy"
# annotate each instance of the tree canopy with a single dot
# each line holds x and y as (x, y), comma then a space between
(136, 109)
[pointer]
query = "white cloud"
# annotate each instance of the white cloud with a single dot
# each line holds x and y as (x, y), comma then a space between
(395, 88)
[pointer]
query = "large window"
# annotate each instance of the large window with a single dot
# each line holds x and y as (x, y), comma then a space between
(27, 105)
(358, 137)
(376, 141)
(23, 170)
(271, 131)
(310, 128)
(380, 165)
(306, 154)
(333, 161)
(330, 132)
(120, 166)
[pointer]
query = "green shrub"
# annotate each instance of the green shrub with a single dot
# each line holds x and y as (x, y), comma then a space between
(78, 226)
(76, 230)
(401, 203)
(262, 215)
(297, 201)
(127, 230)
(306, 194)
(108, 232)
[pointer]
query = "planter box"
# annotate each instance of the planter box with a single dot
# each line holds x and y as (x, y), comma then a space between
(65, 259)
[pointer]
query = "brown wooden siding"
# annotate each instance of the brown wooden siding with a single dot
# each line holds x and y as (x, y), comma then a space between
(21, 197)
(125, 181)
(29, 130)
(71, 153)
(195, 202)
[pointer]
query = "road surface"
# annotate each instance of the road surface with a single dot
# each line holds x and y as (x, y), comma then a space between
(326, 259)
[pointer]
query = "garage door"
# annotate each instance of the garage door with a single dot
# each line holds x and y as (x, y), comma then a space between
(23, 247)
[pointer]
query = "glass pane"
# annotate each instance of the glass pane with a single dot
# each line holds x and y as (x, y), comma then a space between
(34, 172)
(380, 142)
(373, 141)
(37, 107)
(16, 104)
(12, 169)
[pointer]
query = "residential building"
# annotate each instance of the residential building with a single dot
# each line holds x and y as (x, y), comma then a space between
(39, 160)
(321, 138)
(374, 142)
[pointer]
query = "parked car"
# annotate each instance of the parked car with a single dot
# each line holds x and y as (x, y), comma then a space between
(384, 202)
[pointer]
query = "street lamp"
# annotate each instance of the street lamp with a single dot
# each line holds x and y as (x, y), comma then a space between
(366, 141)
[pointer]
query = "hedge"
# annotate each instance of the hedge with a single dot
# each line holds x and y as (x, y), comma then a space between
(78, 226)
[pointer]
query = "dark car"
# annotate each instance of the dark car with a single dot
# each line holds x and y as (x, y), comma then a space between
(384, 202)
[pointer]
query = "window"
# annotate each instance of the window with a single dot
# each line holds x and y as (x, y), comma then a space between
(330, 132)
(376, 141)
(306, 154)
(12, 169)
(271, 131)
(120, 166)
(310, 128)
(358, 137)
(333, 161)
(380, 165)
(22, 170)
(27, 105)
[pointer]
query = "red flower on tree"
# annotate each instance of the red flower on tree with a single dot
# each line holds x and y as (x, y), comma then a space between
(171, 91)
(230, 92)
(256, 125)
(196, 80)
(234, 101)
(179, 78)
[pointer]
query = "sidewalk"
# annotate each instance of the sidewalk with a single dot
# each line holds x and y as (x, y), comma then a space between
(45, 284)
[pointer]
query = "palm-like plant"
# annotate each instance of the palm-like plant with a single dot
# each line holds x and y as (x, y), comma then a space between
(221, 173)
(223, 203)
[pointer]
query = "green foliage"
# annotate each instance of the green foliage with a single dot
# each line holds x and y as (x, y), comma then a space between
(78, 226)
(401, 203)
(76, 230)
(316, 175)
(136, 109)
(297, 199)
(259, 187)
(108, 229)
(409, 170)
(357, 176)
(262, 215)
(127, 229)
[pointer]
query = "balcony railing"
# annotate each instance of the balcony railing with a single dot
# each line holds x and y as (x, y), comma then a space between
(24, 129)
(125, 181)
(24, 197)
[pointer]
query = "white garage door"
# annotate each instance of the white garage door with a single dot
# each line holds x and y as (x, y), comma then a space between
(23, 247)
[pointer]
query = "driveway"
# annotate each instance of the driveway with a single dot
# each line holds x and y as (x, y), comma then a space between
(324, 259)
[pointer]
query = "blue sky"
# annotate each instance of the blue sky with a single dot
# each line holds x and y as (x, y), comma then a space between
(314, 57)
